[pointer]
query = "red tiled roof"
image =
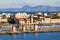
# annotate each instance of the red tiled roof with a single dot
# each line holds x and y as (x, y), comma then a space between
(24, 19)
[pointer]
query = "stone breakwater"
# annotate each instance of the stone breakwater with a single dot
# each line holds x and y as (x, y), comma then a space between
(19, 32)
(32, 28)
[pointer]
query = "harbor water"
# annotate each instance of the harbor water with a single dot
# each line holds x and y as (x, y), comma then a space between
(32, 36)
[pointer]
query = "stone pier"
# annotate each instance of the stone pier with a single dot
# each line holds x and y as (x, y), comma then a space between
(36, 27)
(13, 28)
(23, 28)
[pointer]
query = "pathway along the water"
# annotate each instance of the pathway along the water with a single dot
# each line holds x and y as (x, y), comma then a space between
(54, 28)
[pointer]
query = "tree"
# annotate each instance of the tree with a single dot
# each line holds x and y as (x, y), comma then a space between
(13, 20)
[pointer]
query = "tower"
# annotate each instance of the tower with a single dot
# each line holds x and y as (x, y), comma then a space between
(31, 18)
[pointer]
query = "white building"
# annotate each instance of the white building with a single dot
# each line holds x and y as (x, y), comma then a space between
(3, 13)
(21, 15)
(6, 14)
(45, 14)
(39, 13)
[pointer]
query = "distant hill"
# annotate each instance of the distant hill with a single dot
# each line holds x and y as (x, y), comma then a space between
(32, 9)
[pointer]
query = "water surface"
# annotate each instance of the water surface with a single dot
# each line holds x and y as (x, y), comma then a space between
(32, 36)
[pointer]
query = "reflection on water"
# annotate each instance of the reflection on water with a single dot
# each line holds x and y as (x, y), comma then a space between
(24, 36)
(14, 36)
(32, 36)
(36, 34)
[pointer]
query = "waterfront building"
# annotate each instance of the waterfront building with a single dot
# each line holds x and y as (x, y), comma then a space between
(47, 20)
(45, 14)
(0, 16)
(21, 15)
(3, 20)
(24, 20)
(58, 14)
(8, 15)
(50, 20)
(40, 17)
(35, 19)
(39, 13)
(53, 15)
(5, 15)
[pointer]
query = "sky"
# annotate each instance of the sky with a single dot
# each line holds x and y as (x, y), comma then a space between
(21, 3)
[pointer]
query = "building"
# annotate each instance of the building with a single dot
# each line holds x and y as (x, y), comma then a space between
(21, 15)
(5, 15)
(39, 13)
(8, 15)
(0, 16)
(3, 20)
(58, 14)
(45, 14)
(40, 17)
(24, 20)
